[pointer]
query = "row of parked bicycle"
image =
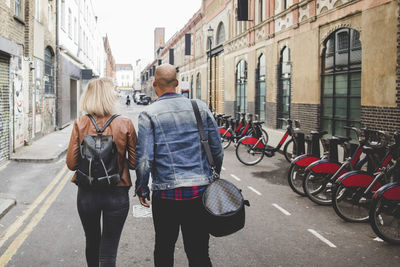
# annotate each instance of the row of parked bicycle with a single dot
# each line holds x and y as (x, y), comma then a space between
(364, 187)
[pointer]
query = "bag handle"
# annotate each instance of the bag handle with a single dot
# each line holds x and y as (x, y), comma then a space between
(108, 122)
(203, 138)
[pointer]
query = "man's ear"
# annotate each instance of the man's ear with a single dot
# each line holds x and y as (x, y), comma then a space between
(176, 83)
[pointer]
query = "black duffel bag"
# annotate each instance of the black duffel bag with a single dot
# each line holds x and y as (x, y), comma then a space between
(222, 200)
(224, 205)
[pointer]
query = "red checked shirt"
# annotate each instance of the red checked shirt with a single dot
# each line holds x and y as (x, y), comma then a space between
(181, 193)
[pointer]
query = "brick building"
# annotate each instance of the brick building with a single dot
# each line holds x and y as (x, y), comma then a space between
(27, 96)
(110, 69)
(326, 63)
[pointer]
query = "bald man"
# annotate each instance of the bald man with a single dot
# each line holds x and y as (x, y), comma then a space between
(169, 148)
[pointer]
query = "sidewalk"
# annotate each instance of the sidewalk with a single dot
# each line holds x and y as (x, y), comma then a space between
(48, 148)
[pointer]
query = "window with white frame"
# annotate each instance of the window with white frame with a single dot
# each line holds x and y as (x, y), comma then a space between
(63, 14)
(75, 30)
(70, 23)
(17, 8)
(38, 10)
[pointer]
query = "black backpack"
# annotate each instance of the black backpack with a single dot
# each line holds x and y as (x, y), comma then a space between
(98, 165)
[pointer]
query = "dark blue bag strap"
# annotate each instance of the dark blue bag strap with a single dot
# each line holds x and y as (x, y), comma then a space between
(203, 138)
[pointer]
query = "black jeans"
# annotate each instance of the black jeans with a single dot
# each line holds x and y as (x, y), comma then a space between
(113, 203)
(168, 216)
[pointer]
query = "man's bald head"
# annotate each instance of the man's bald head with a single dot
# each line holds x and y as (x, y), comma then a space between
(165, 78)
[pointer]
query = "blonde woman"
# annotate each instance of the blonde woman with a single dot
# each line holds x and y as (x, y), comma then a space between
(110, 202)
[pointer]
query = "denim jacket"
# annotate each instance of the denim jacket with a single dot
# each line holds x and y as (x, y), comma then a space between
(169, 145)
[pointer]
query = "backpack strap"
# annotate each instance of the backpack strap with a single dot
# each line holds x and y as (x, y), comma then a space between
(108, 122)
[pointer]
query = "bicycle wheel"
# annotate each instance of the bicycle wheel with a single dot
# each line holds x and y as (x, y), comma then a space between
(296, 178)
(226, 139)
(288, 150)
(350, 203)
(265, 135)
(318, 188)
(248, 154)
(385, 219)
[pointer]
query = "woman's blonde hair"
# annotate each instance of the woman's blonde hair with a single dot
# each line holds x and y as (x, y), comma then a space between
(100, 97)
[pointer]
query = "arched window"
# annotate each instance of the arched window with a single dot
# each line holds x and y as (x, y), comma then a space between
(48, 71)
(260, 87)
(220, 33)
(198, 86)
(341, 82)
(241, 86)
(284, 92)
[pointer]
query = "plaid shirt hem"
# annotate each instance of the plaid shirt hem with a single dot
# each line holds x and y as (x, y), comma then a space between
(181, 193)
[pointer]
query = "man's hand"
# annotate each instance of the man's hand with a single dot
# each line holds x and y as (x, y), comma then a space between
(142, 201)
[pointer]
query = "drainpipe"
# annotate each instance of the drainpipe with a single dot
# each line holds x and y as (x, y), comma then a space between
(57, 65)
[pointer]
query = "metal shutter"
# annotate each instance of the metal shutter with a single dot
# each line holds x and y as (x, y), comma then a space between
(4, 108)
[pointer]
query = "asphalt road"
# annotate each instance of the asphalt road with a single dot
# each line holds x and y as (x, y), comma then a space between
(282, 229)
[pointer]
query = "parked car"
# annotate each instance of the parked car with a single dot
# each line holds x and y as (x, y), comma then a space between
(137, 97)
(142, 99)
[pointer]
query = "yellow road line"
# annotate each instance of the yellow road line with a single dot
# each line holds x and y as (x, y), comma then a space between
(12, 229)
(4, 166)
(19, 240)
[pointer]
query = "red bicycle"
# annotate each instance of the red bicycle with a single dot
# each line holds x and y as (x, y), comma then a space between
(322, 174)
(353, 191)
(232, 133)
(251, 150)
(385, 210)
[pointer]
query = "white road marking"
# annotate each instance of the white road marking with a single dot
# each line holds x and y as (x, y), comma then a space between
(223, 169)
(140, 211)
(235, 177)
(255, 191)
(378, 239)
(323, 239)
(281, 209)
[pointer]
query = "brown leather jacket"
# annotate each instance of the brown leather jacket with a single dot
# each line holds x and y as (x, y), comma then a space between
(124, 135)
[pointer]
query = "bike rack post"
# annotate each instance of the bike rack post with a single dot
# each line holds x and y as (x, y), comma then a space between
(333, 148)
(300, 144)
(315, 150)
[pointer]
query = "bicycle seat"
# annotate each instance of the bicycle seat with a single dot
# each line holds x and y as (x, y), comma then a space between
(319, 133)
(341, 139)
(258, 122)
(226, 116)
(219, 115)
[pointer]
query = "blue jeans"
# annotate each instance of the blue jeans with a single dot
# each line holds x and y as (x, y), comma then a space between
(113, 204)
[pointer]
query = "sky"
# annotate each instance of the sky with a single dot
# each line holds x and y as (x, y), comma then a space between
(130, 24)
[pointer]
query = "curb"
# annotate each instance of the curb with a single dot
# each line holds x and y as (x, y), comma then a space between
(5, 205)
(41, 160)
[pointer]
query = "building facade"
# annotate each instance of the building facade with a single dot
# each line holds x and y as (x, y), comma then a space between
(125, 76)
(109, 61)
(27, 67)
(327, 63)
(80, 55)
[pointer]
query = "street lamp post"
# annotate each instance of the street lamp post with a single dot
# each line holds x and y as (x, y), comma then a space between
(210, 35)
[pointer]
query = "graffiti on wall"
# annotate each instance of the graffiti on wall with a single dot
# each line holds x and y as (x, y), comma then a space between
(38, 95)
(18, 112)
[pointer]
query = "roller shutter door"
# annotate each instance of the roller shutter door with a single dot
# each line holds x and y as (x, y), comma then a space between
(4, 108)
